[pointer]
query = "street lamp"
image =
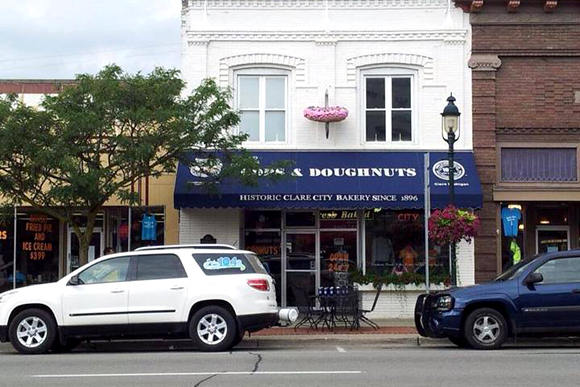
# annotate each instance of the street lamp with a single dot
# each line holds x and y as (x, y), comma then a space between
(450, 133)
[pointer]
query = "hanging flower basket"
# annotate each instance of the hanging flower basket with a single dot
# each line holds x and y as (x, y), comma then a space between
(326, 114)
(452, 225)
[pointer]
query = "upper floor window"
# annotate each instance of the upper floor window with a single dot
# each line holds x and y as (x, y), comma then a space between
(539, 165)
(262, 102)
(388, 104)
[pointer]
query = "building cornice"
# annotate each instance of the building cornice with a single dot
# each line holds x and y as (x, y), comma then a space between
(311, 4)
(452, 36)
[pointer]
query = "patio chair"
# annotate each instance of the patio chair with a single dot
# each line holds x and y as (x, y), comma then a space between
(362, 312)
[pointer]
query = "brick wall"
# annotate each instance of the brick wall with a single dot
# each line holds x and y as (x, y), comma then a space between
(525, 77)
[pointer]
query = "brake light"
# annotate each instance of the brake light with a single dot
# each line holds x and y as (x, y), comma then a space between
(259, 284)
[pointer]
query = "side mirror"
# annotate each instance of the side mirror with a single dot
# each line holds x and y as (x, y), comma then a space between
(74, 281)
(534, 278)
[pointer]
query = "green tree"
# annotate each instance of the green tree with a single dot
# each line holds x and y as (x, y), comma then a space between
(90, 142)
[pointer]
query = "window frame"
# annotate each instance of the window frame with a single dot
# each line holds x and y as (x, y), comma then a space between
(388, 73)
(262, 74)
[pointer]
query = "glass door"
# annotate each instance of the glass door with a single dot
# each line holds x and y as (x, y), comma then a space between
(95, 248)
(300, 268)
(552, 238)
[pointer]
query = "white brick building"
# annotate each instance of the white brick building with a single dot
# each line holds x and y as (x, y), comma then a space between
(392, 64)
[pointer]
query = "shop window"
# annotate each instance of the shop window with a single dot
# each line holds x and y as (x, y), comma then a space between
(262, 102)
(338, 257)
(536, 165)
(395, 244)
(267, 246)
(388, 107)
(339, 219)
(6, 255)
(263, 220)
(512, 235)
(37, 250)
(301, 219)
(147, 228)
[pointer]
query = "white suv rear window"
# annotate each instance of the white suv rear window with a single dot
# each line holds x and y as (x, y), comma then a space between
(229, 263)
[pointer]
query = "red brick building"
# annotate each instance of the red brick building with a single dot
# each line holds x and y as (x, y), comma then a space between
(526, 127)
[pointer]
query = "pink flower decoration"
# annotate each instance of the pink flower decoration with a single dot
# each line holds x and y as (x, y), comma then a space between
(452, 225)
(326, 114)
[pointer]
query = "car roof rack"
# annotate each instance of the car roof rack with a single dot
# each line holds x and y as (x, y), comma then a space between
(208, 246)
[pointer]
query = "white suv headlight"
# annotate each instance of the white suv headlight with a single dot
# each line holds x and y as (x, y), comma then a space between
(5, 296)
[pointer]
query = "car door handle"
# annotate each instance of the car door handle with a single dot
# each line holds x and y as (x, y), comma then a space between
(576, 291)
(117, 291)
(176, 287)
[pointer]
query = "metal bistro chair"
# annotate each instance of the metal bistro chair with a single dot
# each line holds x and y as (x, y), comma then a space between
(362, 312)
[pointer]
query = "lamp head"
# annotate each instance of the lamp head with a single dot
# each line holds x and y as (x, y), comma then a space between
(450, 118)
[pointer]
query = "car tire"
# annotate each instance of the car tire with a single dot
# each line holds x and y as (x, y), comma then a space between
(459, 341)
(213, 329)
(70, 344)
(238, 339)
(485, 328)
(32, 331)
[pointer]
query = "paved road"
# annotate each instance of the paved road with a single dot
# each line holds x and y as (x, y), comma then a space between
(326, 364)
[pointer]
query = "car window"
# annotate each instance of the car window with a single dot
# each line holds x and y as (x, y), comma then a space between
(111, 270)
(230, 263)
(515, 270)
(159, 266)
(562, 270)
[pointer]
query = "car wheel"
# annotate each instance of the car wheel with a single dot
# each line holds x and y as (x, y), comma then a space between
(485, 328)
(213, 329)
(32, 331)
(459, 341)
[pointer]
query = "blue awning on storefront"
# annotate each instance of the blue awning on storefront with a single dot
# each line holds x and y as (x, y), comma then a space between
(336, 180)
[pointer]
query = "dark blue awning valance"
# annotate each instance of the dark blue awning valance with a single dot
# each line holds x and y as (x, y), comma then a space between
(342, 180)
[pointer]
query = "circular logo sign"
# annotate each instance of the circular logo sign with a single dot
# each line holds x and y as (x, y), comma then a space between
(441, 170)
(202, 171)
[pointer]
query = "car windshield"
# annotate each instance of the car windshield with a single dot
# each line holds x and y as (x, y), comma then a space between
(516, 269)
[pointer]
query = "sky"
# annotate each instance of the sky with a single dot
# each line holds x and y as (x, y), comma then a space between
(57, 39)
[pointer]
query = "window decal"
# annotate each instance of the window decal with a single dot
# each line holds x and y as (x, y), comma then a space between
(224, 263)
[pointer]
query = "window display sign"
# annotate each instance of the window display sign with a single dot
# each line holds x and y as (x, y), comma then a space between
(343, 214)
(38, 237)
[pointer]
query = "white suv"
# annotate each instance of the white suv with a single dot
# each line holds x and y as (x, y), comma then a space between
(210, 293)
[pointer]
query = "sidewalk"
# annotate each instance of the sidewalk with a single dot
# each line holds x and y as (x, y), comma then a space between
(387, 327)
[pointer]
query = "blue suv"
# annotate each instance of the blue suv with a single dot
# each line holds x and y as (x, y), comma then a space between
(539, 296)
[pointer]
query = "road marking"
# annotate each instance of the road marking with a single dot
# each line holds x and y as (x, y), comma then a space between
(200, 374)
(341, 350)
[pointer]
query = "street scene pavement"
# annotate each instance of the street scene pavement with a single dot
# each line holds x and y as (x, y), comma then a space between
(301, 360)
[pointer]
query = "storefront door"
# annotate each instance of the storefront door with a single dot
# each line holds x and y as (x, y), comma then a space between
(552, 238)
(95, 248)
(301, 263)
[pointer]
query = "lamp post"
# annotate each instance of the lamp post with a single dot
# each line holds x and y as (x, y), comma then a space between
(450, 133)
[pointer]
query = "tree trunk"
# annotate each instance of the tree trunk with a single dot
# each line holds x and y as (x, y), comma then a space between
(85, 236)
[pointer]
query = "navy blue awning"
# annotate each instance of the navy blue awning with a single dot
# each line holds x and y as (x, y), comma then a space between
(342, 180)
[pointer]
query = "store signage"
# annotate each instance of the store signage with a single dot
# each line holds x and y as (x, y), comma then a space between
(40, 229)
(408, 217)
(343, 215)
(441, 170)
(3, 235)
(338, 262)
(265, 249)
